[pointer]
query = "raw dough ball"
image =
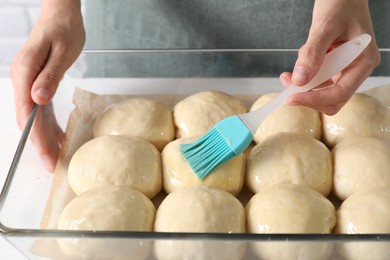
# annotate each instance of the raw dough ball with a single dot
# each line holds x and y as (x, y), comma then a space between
(360, 163)
(366, 212)
(292, 119)
(116, 160)
(290, 208)
(107, 208)
(138, 117)
(199, 209)
(362, 115)
(290, 158)
(198, 113)
(177, 173)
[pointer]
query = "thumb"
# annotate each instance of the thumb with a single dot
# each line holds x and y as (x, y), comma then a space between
(48, 79)
(310, 58)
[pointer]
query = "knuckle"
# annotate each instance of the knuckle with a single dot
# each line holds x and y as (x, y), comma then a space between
(61, 48)
(49, 76)
(26, 59)
(312, 52)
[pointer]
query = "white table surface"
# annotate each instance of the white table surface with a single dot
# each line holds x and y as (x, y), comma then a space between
(10, 134)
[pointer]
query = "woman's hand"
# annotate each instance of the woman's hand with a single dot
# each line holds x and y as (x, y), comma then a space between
(334, 22)
(53, 45)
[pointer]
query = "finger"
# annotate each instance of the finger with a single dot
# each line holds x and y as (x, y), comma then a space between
(310, 58)
(47, 136)
(285, 79)
(340, 93)
(47, 81)
(26, 66)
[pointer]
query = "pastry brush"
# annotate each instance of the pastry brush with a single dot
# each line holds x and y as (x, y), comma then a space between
(232, 135)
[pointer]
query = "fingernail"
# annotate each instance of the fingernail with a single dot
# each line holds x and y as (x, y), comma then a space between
(42, 93)
(284, 81)
(300, 74)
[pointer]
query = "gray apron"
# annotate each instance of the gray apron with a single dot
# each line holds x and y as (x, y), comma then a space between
(203, 24)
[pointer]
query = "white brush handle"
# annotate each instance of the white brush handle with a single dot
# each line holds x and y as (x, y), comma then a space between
(334, 62)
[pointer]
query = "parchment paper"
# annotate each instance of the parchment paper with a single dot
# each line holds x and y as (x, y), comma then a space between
(79, 130)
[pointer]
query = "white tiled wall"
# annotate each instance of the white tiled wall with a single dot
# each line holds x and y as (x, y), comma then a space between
(17, 17)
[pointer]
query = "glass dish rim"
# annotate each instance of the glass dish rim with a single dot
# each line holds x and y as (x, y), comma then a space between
(198, 51)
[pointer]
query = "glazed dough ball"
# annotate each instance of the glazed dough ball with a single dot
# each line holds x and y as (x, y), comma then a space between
(290, 158)
(360, 163)
(199, 209)
(290, 208)
(366, 212)
(362, 115)
(198, 113)
(292, 119)
(138, 117)
(116, 160)
(107, 208)
(177, 173)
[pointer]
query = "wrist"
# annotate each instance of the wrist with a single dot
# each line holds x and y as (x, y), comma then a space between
(53, 9)
(60, 4)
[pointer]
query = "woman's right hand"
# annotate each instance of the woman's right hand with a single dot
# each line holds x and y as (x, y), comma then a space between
(52, 47)
(334, 22)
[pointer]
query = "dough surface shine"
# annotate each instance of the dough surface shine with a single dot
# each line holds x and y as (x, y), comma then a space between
(107, 208)
(290, 208)
(198, 113)
(139, 117)
(365, 212)
(362, 115)
(177, 173)
(201, 209)
(360, 163)
(291, 119)
(116, 160)
(290, 158)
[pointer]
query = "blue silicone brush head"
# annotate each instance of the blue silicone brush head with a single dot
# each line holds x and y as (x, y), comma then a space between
(228, 138)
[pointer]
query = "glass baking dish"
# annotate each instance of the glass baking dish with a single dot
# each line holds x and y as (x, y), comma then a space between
(27, 186)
